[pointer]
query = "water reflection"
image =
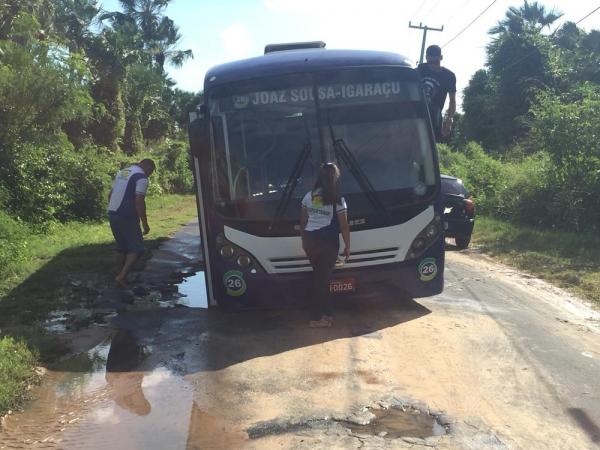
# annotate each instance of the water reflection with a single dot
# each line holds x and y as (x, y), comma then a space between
(112, 397)
(125, 385)
(194, 291)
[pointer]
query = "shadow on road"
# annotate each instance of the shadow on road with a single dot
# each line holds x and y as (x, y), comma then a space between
(585, 423)
(68, 281)
(212, 340)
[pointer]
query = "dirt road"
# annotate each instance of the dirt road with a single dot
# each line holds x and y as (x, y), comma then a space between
(498, 361)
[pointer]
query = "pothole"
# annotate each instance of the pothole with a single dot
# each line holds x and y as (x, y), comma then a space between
(393, 418)
(397, 423)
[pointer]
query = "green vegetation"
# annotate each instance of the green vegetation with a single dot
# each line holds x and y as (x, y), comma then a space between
(77, 247)
(570, 260)
(61, 269)
(527, 147)
(83, 92)
(535, 114)
(17, 372)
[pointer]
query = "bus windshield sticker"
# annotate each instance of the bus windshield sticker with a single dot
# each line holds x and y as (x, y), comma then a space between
(234, 283)
(329, 94)
(427, 269)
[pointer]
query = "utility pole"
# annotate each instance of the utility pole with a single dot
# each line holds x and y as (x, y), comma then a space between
(425, 28)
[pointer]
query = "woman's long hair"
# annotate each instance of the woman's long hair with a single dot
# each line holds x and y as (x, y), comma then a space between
(328, 181)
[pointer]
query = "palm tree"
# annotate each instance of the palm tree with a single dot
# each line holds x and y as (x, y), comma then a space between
(532, 15)
(158, 32)
(73, 20)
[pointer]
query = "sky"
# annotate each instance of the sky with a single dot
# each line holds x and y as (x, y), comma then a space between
(227, 30)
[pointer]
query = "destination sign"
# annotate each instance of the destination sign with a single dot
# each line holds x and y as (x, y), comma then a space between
(329, 93)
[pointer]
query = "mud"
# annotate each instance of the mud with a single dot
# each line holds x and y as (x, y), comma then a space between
(397, 423)
(487, 361)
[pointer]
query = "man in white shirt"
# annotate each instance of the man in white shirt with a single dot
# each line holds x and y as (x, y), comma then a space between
(126, 208)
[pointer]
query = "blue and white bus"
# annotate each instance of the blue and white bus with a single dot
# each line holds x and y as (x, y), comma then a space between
(266, 125)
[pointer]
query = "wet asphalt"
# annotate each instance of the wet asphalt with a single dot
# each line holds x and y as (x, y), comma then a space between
(161, 374)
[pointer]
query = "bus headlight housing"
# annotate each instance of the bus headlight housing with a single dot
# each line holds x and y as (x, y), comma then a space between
(243, 261)
(235, 254)
(227, 251)
(425, 238)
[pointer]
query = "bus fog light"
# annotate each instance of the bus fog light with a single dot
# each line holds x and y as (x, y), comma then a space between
(244, 261)
(227, 252)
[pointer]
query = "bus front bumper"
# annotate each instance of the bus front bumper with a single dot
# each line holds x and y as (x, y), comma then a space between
(422, 277)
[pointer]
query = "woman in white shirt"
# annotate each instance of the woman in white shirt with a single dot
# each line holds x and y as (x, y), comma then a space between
(322, 219)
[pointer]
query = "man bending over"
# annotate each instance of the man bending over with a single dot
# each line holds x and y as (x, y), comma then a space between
(126, 208)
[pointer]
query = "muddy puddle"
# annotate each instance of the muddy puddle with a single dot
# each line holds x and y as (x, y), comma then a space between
(396, 423)
(108, 398)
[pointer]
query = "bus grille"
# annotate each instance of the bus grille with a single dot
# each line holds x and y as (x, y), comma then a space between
(357, 259)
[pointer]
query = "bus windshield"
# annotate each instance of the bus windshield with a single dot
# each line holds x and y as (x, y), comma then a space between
(260, 136)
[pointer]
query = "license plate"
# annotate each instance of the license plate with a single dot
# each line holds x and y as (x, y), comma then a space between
(342, 285)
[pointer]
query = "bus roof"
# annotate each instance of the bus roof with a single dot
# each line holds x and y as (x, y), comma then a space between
(295, 61)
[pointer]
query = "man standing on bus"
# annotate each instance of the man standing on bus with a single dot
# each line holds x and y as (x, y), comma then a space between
(438, 82)
(126, 208)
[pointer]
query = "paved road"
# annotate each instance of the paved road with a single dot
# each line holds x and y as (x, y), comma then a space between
(500, 361)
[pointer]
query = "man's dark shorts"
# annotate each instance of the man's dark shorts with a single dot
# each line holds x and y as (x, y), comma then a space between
(127, 233)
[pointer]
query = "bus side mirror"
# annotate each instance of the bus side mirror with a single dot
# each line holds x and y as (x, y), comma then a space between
(199, 131)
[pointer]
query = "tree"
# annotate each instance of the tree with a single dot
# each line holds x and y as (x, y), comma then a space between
(479, 105)
(158, 32)
(532, 16)
(567, 128)
(73, 20)
(152, 39)
(73, 84)
(520, 64)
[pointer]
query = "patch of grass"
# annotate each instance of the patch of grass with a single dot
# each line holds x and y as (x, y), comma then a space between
(165, 214)
(62, 269)
(17, 372)
(569, 260)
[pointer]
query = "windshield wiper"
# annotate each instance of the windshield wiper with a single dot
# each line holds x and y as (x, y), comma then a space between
(343, 153)
(292, 181)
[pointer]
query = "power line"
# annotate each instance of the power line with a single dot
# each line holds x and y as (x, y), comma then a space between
(431, 9)
(458, 10)
(588, 15)
(470, 23)
(420, 7)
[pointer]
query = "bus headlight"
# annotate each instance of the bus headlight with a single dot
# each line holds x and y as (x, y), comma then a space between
(236, 255)
(431, 232)
(419, 244)
(244, 261)
(227, 252)
(425, 238)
